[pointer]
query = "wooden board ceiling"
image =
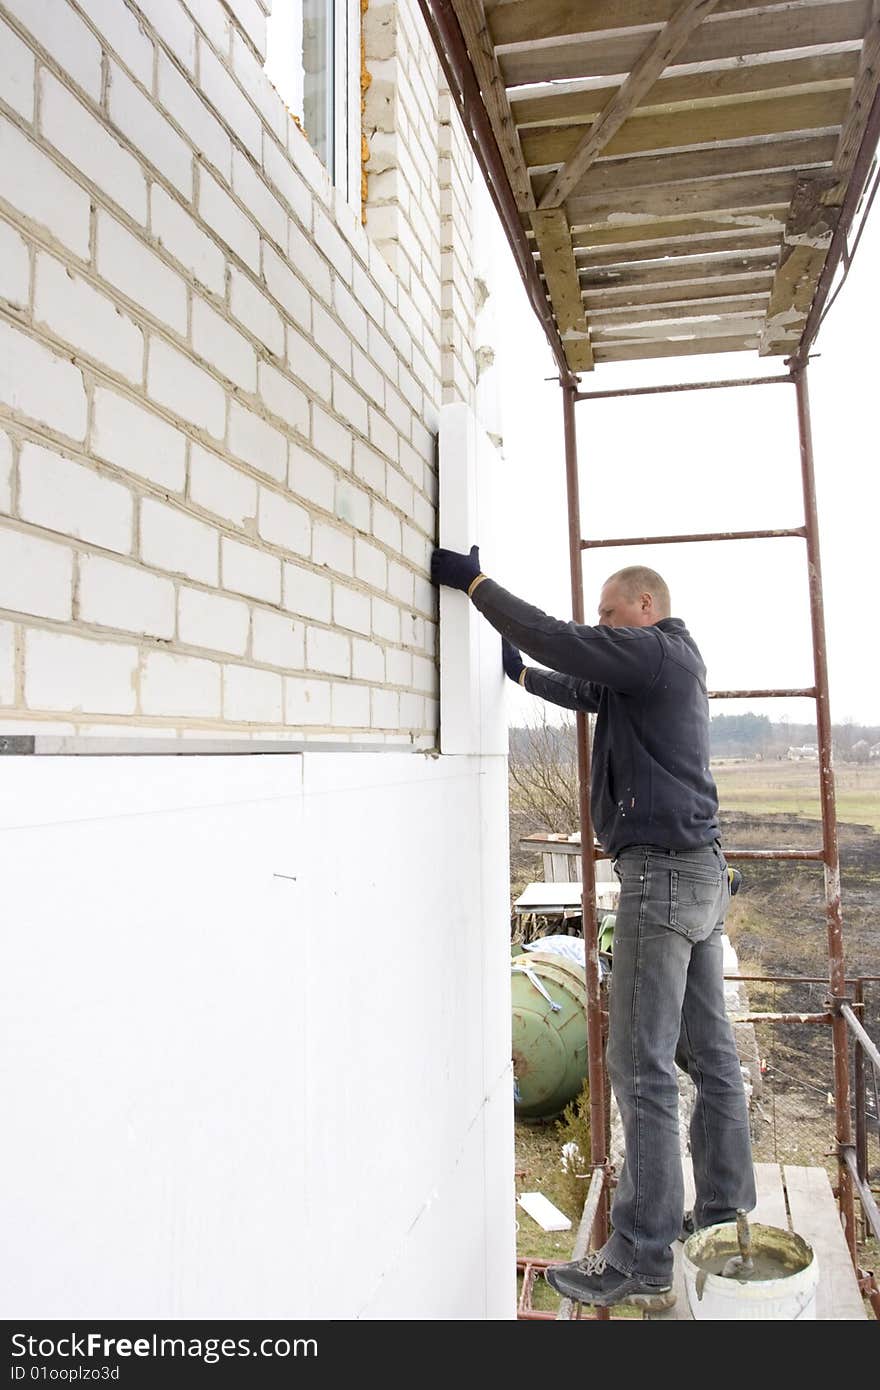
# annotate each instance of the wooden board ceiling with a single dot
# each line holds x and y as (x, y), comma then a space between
(679, 166)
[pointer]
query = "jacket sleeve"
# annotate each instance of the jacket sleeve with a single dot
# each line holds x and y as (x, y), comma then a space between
(567, 691)
(626, 659)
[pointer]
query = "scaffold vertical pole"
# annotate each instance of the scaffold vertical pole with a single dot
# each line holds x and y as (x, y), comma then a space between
(598, 1127)
(830, 847)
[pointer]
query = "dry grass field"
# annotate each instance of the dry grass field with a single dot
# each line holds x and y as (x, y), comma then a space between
(778, 786)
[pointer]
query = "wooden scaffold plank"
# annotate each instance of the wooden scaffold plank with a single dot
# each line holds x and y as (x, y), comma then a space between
(805, 244)
(553, 237)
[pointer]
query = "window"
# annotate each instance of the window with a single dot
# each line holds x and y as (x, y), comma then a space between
(314, 60)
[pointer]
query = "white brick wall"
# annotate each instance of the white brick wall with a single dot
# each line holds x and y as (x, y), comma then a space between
(217, 393)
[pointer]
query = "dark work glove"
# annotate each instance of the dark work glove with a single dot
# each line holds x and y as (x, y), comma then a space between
(511, 660)
(455, 570)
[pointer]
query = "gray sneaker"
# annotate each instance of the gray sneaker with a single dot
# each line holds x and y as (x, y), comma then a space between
(592, 1280)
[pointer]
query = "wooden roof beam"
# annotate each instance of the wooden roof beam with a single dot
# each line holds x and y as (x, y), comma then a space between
(481, 50)
(656, 57)
(553, 236)
(523, 21)
(805, 244)
(864, 91)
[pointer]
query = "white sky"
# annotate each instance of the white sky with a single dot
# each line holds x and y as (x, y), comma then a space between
(707, 461)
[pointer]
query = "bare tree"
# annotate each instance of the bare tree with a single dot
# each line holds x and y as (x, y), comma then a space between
(544, 776)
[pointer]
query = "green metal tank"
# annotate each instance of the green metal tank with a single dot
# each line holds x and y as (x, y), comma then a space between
(549, 999)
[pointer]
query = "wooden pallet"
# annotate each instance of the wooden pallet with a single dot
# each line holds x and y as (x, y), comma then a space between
(796, 1199)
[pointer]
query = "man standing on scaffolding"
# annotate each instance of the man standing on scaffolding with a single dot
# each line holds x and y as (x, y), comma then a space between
(655, 812)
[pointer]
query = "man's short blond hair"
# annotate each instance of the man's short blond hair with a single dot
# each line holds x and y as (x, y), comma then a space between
(638, 579)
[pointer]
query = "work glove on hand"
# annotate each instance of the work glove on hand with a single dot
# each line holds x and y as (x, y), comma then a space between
(455, 570)
(511, 660)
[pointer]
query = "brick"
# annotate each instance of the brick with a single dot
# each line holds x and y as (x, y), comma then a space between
(215, 340)
(386, 526)
(370, 564)
(87, 319)
(328, 652)
(5, 474)
(213, 20)
(63, 672)
(201, 127)
(349, 403)
(250, 696)
(311, 479)
(308, 163)
(307, 262)
(153, 137)
(15, 267)
(368, 661)
(306, 363)
(424, 595)
(229, 101)
(138, 272)
(278, 640)
(350, 705)
(59, 30)
(398, 491)
(410, 463)
(385, 709)
(174, 27)
(228, 221)
(137, 441)
(91, 149)
(400, 582)
(247, 570)
(332, 244)
(351, 609)
(397, 410)
(250, 75)
(412, 711)
(126, 597)
(349, 312)
(251, 307)
(386, 620)
(212, 620)
(286, 287)
(251, 19)
(352, 505)
(262, 446)
(36, 383)
(282, 175)
(306, 593)
(382, 435)
(64, 496)
(425, 675)
(284, 399)
(35, 576)
(262, 204)
(34, 184)
(17, 70)
(424, 514)
(382, 353)
(368, 466)
(306, 702)
(367, 294)
(175, 381)
(183, 239)
(180, 685)
(398, 667)
(412, 632)
(221, 489)
(123, 34)
(283, 523)
(7, 664)
(172, 540)
(368, 377)
(331, 338)
(332, 548)
(331, 438)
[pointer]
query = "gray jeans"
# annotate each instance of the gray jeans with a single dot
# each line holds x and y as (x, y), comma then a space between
(667, 1006)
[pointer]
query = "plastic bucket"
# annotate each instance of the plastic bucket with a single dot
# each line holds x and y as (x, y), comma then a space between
(788, 1296)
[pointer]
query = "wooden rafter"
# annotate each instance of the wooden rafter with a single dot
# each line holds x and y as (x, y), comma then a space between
(524, 21)
(805, 242)
(656, 57)
(744, 37)
(553, 236)
(795, 76)
(864, 91)
(645, 133)
(472, 21)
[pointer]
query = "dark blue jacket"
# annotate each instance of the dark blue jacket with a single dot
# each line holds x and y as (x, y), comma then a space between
(650, 778)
